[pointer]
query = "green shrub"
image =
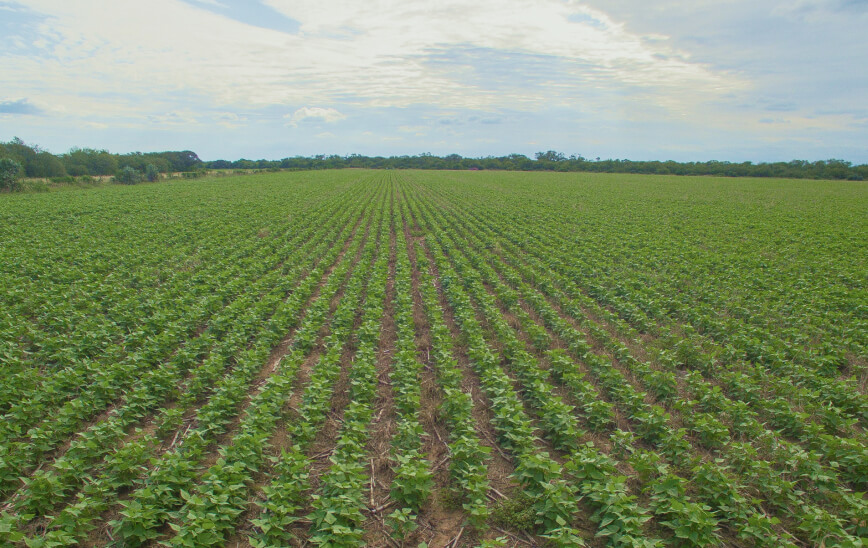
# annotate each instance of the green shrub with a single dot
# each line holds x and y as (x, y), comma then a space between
(128, 176)
(77, 170)
(152, 173)
(10, 174)
(193, 174)
(33, 185)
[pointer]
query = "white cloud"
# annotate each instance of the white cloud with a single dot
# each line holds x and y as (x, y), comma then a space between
(386, 53)
(327, 115)
(214, 3)
(625, 65)
(229, 119)
(173, 118)
(412, 129)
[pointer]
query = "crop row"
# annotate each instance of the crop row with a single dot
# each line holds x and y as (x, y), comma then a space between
(657, 364)
(339, 501)
(811, 519)
(846, 455)
(211, 510)
(123, 465)
(141, 396)
(287, 494)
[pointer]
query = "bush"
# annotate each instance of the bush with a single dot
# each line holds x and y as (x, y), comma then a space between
(128, 176)
(77, 170)
(34, 185)
(10, 173)
(152, 173)
(193, 174)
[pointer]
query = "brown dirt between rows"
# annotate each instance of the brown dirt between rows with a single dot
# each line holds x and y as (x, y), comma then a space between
(598, 348)
(102, 535)
(642, 355)
(145, 427)
(61, 449)
(583, 519)
(281, 440)
(273, 361)
(500, 467)
(383, 424)
(438, 523)
(323, 443)
(855, 369)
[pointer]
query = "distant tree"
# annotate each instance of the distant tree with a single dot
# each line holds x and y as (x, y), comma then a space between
(185, 160)
(452, 161)
(128, 176)
(132, 167)
(152, 173)
(220, 164)
(550, 156)
(45, 164)
(77, 170)
(135, 160)
(836, 169)
(159, 162)
(88, 161)
(516, 161)
(24, 154)
(10, 173)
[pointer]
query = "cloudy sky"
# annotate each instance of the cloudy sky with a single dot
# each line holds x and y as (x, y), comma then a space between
(730, 80)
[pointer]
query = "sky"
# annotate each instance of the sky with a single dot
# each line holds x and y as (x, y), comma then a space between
(730, 80)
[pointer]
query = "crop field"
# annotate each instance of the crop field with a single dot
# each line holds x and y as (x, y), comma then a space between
(441, 359)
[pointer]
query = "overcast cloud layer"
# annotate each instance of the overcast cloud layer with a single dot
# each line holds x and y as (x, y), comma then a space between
(725, 79)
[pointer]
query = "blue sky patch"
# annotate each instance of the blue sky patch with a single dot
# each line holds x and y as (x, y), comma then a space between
(21, 106)
(736, 80)
(586, 19)
(19, 27)
(251, 12)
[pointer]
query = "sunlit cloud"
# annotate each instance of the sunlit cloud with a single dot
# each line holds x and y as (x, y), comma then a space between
(382, 54)
(424, 73)
(327, 115)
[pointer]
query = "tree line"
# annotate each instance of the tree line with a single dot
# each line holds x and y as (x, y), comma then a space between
(18, 159)
(557, 161)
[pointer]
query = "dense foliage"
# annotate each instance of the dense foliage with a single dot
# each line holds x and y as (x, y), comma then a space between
(555, 161)
(91, 162)
(85, 161)
(10, 173)
(339, 358)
